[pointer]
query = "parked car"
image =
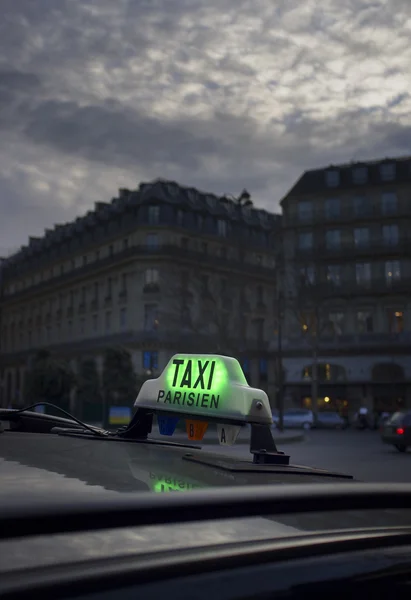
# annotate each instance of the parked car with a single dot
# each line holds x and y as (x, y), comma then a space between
(298, 418)
(397, 431)
(331, 420)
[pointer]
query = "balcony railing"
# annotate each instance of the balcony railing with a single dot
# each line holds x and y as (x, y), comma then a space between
(345, 342)
(163, 252)
(346, 214)
(380, 247)
(375, 286)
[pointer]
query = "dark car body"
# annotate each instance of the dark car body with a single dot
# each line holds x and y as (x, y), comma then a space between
(39, 467)
(397, 430)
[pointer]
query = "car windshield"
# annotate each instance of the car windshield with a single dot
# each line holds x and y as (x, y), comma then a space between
(204, 243)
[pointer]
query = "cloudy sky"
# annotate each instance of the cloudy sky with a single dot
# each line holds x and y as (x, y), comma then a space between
(218, 94)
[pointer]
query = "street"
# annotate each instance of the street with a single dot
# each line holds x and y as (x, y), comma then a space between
(359, 453)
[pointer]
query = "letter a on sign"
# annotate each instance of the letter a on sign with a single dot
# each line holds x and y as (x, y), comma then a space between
(227, 434)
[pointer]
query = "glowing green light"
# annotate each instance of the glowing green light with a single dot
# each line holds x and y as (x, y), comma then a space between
(197, 374)
(168, 484)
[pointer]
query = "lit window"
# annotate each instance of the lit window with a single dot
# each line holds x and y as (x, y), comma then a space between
(395, 321)
(392, 271)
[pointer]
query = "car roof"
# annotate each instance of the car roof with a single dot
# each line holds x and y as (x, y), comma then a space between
(50, 462)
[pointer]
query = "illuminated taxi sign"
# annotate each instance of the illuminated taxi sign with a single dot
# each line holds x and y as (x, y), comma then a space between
(209, 386)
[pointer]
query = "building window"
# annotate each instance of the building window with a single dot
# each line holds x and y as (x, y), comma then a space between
(245, 364)
(389, 203)
(109, 287)
(334, 274)
(180, 218)
(387, 171)
(151, 276)
(362, 206)
(153, 215)
(150, 360)
(361, 237)
(332, 208)
(333, 239)
(364, 321)
(359, 174)
(123, 318)
(152, 240)
(150, 317)
(390, 235)
(95, 323)
(70, 328)
(392, 271)
(332, 178)
(363, 274)
(204, 284)
(263, 369)
(305, 211)
(83, 295)
(124, 283)
(336, 320)
(82, 326)
(395, 320)
(108, 321)
(96, 291)
(305, 241)
(222, 227)
(307, 275)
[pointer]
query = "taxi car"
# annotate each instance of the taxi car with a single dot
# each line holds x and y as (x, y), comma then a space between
(76, 520)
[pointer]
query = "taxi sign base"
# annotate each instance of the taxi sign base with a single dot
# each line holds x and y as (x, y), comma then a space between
(263, 448)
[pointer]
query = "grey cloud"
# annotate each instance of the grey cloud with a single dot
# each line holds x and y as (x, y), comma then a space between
(192, 90)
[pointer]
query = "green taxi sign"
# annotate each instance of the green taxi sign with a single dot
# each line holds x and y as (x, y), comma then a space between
(208, 387)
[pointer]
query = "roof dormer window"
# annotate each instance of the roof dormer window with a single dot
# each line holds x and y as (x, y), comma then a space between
(387, 171)
(332, 178)
(359, 174)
